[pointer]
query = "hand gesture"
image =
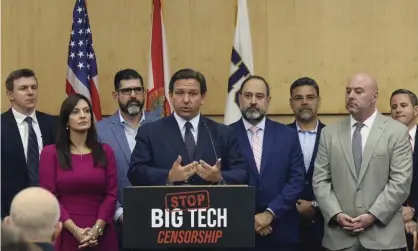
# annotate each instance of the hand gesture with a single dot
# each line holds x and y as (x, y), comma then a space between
(305, 209)
(181, 173)
(407, 213)
(410, 227)
(345, 222)
(85, 238)
(263, 220)
(265, 231)
(208, 172)
(362, 222)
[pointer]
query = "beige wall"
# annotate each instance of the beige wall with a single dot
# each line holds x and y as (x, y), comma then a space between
(326, 39)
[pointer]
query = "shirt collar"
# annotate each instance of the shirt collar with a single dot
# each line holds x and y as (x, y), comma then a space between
(368, 122)
(20, 118)
(181, 121)
(123, 121)
(315, 130)
(413, 132)
(261, 125)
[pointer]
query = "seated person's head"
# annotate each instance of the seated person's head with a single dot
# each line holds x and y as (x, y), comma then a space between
(12, 240)
(35, 213)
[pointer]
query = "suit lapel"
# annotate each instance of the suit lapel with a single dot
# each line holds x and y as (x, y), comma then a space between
(268, 141)
(43, 126)
(375, 132)
(13, 133)
(315, 151)
(345, 140)
(246, 147)
(202, 141)
(173, 135)
(119, 133)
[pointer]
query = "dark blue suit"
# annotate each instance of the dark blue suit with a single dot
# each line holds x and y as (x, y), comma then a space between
(280, 182)
(311, 231)
(159, 143)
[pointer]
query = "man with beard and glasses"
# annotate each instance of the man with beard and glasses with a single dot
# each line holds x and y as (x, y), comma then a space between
(120, 129)
(274, 155)
(305, 101)
(404, 108)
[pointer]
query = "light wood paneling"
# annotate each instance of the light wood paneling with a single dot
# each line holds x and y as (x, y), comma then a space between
(323, 39)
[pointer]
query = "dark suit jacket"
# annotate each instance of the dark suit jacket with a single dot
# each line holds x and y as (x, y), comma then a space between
(314, 229)
(14, 173)
(413, 196)
(159, 143)
(280, 182)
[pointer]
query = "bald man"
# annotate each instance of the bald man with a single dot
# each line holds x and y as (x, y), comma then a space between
(35, 213)
(363, 174)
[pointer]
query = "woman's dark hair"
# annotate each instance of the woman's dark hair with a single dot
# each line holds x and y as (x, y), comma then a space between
(63, 142)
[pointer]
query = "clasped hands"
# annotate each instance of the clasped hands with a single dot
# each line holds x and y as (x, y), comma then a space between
(201, 168)
(86, 237)
(262, 223)
(357, 224)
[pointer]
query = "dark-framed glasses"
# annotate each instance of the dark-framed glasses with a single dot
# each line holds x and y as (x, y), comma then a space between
(128, 91)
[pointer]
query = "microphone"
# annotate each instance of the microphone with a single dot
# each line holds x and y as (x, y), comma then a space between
(211, 141)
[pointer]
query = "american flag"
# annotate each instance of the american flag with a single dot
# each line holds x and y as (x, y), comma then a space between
(82, 65)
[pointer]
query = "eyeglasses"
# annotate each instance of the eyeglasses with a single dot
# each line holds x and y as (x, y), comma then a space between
(128, 91)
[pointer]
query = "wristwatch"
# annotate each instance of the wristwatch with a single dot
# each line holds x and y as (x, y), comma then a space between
(315, 204)
(99, 230)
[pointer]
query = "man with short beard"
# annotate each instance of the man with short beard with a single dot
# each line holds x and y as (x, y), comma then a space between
(305, 101)
(273, 152)
(404, 108)
(120, 129)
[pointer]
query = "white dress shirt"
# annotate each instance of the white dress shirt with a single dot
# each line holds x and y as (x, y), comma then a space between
(23, 127)
(182, 125)
(260, 133)
(413, 134)
(130, 133)
(365, 130)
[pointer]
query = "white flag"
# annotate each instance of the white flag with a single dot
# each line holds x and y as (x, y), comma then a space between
(241, 62)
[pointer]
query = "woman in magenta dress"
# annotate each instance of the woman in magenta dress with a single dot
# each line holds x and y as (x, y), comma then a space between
(81, 172)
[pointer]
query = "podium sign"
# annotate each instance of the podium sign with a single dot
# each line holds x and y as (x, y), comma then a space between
(188, 216)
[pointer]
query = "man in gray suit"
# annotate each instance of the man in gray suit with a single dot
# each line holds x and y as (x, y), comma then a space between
(362, 175)
(119, 130)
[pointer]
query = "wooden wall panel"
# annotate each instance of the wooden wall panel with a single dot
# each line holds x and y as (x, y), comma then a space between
(326, 40)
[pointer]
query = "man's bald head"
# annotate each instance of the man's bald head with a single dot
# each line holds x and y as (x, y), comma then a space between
(35, 212)
(361, 96)
(364, 80)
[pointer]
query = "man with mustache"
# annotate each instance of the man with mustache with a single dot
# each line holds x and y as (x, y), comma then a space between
(274, 155)
(404, 108)
(363, 174)
(120, 129)
(305, 101)
(24, 132)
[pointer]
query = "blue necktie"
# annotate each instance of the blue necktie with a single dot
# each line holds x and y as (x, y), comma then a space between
(32, 159)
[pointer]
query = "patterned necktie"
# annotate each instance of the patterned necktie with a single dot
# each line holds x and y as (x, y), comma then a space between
(189, 141)
(356, 145)
(32, 159)
(256, 145)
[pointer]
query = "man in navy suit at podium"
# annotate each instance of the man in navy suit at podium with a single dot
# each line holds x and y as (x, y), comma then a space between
(186, 147)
